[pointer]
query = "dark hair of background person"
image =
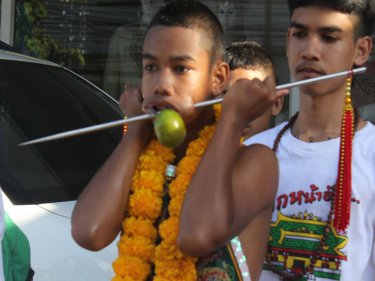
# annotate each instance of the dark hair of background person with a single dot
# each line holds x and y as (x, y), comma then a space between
(249, 55)
(364, 9)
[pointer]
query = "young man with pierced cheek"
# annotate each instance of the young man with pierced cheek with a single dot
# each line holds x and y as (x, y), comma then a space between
(138, 194)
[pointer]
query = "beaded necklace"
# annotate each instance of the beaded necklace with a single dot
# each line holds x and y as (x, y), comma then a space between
(313, 259)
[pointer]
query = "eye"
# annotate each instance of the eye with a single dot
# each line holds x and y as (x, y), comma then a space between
(299, 34)
(149, 67)
(329, 38)
(181, 69)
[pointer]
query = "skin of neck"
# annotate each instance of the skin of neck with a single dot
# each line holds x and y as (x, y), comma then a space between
(320, 116)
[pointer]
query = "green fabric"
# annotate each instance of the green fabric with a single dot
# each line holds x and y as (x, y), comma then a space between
(16, 252)
(219, 266)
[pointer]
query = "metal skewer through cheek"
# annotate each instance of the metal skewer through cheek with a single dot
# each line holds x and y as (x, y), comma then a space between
(199, 104)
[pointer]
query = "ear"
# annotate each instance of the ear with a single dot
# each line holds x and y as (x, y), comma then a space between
(220, 78)
(363, 50)
(277, 105)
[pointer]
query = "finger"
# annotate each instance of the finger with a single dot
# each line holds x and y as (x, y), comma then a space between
(282, 92)
(270, 82)
(122, 103)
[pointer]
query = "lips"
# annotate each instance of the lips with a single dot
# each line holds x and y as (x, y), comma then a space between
(158, 105)
(309, 71)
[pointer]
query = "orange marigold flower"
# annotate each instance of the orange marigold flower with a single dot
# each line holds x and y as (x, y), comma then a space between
(168, 229)
(188, 165)
(207, 133)
(149, 180)
(179, 185)
(175, 206)
(126, 278)
(139, 227)
(131, 267)
(145, 204)
(151, 162)
(159, 278)
(164, 152)
(197, 147)
(138, 246)
(167, 251)
(217, 109)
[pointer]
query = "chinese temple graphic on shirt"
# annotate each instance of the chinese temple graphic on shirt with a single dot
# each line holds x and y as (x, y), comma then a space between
(296, 239)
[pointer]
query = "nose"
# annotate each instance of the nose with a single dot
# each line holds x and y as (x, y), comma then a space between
(311, 49)
(163, 83)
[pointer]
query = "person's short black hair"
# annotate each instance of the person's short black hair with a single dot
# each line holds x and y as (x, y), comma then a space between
(364, 9)
(249, 55)
(192, 14)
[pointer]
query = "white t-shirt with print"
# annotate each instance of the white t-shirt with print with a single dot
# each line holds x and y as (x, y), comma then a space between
(302, 205)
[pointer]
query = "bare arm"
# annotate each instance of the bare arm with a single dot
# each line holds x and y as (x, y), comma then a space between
(232, 185)
(100, 208)
(254, 239)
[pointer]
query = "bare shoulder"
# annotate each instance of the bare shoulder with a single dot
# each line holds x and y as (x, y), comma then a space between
(256, 152)
(257, 170)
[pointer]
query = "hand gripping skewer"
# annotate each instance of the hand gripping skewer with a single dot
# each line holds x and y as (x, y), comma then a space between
(199, 104)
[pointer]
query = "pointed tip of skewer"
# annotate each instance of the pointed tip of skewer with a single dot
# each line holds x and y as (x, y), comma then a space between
(87, 129)
(26, 143)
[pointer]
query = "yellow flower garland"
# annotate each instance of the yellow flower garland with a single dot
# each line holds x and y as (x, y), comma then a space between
(137, 246)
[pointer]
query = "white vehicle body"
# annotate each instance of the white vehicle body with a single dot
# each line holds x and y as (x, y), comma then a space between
(40, 183)
(54, 254)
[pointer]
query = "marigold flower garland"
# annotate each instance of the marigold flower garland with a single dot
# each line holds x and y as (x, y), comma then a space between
(142, 247)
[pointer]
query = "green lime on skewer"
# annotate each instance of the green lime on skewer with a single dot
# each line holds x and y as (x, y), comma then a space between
(169, 128)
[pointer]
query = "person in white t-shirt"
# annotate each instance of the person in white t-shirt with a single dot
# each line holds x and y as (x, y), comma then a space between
(323, 225)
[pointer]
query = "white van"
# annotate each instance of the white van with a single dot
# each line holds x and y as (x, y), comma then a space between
(41, 182)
